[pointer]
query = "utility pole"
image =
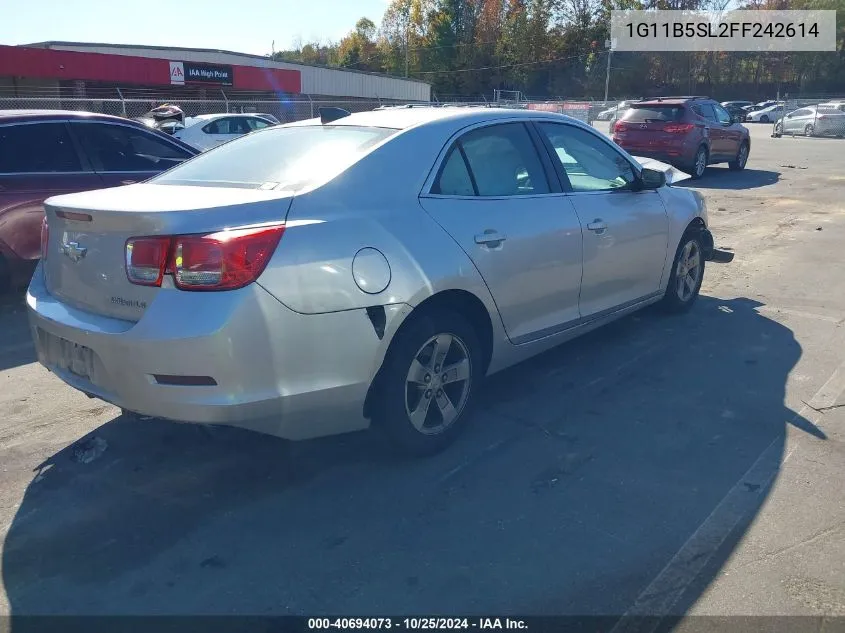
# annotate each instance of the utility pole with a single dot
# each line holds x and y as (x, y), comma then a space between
(407, 43)
(609, 45)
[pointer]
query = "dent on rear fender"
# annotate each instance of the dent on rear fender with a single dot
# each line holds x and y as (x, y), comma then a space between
(314, 269)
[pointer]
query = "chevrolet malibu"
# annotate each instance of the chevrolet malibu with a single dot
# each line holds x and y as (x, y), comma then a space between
(323, 276)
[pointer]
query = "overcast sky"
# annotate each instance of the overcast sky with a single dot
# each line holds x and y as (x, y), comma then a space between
(248, 27)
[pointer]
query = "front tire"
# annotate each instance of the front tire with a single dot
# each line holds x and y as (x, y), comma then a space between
(809, 130)
(427, 383)
(687, 274)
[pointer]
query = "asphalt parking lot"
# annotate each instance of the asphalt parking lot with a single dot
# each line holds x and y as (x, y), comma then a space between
(662, 465)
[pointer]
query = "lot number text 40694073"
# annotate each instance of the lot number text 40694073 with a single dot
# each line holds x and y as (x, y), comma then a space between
(418, 623)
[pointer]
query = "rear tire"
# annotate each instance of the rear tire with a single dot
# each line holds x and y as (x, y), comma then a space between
(764, 118)
(427, 384)
(687, 267)
(699, 164)
(741, 158)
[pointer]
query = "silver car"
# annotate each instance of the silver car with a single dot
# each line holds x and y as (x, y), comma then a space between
(310, 278)
(815, 120)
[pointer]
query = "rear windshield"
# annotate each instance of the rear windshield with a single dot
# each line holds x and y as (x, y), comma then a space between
(278, 158)
(654, 113)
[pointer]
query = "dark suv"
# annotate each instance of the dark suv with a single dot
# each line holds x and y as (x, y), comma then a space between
(46, 153)
(687, 132)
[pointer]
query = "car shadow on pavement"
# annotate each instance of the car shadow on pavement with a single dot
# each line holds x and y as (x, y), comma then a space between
(16, 347)
(723, 178)
(583, 473)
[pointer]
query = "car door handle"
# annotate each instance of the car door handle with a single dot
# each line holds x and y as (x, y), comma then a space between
(598, 225)
(128, 182)
(490, 238)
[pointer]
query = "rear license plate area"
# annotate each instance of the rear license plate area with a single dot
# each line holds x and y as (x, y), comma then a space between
(64, 354)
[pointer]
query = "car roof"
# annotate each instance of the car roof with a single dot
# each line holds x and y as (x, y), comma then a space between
(670, 100)
(220, 115)
(8, 116)
(402, 118)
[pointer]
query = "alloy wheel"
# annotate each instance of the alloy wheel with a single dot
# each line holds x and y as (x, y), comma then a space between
(438, 383)
(743, 155)
(700, 162)
(688, 271)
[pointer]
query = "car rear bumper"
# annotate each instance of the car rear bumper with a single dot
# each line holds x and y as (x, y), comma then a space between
(681, 156)
(272, 370)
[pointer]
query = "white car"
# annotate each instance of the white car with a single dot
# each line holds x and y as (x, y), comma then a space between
(210, 130)
(612, 113)
(766, 115)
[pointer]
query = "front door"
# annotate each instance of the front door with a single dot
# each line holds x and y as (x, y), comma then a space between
(494, 196)
(625, 231)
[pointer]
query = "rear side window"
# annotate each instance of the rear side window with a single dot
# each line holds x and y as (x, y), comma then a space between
(37, 148)
(654, 114)
(280, 157)
(120, 148)
(503, 161)
(454, 178)
(706, 110)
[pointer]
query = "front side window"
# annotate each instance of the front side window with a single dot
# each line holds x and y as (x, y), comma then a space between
(257, 124)
(228, 125)
(503, 161)
(37, 148)
(288, 158)
(590, 163)
(722, 115)
(120, 148)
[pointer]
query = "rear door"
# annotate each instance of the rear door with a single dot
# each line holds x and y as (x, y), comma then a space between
(499, 199)
(124, 154)
(37, 160)
(626, 231)
(719, 144)
(732, 134)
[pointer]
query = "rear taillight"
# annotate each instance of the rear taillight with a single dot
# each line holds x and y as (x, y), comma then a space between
(678, 128)
(146, 258)
(45, 238)
(224, 260)
(619, 126)
(219, 261)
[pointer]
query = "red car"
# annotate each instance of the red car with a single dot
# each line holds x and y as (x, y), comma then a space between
(687, 132)
(46, 153)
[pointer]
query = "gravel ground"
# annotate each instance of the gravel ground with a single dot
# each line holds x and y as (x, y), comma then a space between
(686, 465)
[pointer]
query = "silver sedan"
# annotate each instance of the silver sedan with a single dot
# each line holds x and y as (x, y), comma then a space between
(313, 278)
(813, 121)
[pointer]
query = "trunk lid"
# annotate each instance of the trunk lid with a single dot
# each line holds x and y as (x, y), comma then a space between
(651, 125)
(85, 265)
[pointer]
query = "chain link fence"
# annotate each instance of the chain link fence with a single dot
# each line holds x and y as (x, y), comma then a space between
(285, 110)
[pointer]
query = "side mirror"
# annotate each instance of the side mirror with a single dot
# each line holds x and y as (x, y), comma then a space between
(652, 179)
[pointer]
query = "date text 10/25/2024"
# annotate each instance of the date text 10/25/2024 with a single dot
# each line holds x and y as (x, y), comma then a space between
(418, 623)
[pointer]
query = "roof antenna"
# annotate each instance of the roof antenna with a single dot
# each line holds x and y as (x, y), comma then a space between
(328, 115)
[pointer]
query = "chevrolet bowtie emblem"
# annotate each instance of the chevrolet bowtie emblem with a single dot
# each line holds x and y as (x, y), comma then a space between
(73, 250)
